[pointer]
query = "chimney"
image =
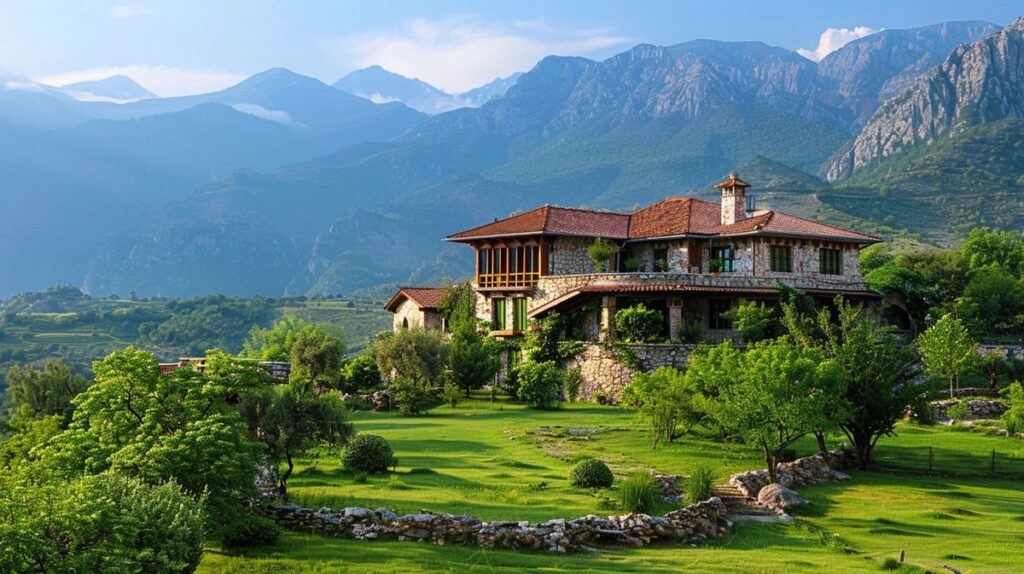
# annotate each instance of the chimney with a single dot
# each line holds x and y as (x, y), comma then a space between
(734, 199)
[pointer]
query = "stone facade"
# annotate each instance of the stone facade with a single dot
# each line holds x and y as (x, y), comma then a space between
(605, 373)
(692, 524)
(408, 315)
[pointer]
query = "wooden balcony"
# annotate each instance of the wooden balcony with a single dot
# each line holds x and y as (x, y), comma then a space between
(523, 280)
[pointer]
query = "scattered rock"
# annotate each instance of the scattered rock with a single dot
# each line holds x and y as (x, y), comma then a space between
(779, 497)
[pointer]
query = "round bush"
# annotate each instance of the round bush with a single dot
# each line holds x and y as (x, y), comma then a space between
(591, 473)
(368, 453)
(249, 530)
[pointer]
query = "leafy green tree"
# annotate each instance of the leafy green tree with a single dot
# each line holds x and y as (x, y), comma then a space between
(984, 247)
(539, 384)
(316, 357)
(1013, 417)
(600, 252)
(27, 434)
(473, 359)
(177, 426)
(775, 397)
(298, 421)
(361, 375)
(874, 256)
(106, 523)
(415, 354)
(947, 350)
(666, 400)
(638, 324)
(992, 301)
(34, 393)
(275, 343)
(458, 306)
(414, 396)
(751, 319)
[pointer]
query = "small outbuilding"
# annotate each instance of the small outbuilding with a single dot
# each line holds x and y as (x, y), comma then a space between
(417, 307)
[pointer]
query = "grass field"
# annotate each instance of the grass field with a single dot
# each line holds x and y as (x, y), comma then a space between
(500, 461)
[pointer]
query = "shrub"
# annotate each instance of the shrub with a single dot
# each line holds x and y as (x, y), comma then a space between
(539, 384)
(368, 453)
(591, 473)
(573, 380)
(413, 397)
(451, 394)
(361, 375)
(638, 492)
(249, 530)
(1013, 418)
(638, 324)
(958, 411)
(698, 486)
(600, 252)
(691, 332)
(751, 319)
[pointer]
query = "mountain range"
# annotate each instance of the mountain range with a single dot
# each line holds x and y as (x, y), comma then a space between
(379, 85)
(285, 185)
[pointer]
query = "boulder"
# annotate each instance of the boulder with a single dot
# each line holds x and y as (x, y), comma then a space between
(778, 497)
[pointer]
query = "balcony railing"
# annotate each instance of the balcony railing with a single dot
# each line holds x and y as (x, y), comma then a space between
(518, 279)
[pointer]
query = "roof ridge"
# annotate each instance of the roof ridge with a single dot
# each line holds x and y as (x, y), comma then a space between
(829, 225)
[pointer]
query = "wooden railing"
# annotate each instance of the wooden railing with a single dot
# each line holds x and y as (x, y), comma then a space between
(503, 280)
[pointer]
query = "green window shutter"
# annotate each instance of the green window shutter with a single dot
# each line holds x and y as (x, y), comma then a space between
(498, 314)
(519, 314)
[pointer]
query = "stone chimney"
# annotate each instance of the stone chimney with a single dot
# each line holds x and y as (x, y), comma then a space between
(734, 199)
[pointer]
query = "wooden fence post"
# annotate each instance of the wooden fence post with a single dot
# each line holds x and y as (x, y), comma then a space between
(930, 459)
(993, 462)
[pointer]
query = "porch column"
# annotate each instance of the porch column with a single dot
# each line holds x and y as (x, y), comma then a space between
(675, 317)
(607, 318)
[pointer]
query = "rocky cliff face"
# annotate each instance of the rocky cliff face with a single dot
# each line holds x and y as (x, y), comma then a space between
(978, 83)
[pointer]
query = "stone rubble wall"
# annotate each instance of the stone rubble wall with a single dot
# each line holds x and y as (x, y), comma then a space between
(692, 524)
(976, 408)
(604, 371)
(812, 469)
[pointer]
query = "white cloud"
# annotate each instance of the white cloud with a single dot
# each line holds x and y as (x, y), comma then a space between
(122, 11)
(259, 111)
(462, 52)
(834, 38)
(164, 81)
(19, 86)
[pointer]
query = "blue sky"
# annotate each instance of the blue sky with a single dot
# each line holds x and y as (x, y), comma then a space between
(188, 46)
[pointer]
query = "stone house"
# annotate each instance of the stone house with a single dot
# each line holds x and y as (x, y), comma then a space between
(689, 258)
(416, 307)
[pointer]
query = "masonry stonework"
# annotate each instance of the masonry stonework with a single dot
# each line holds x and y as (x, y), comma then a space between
(605, 373)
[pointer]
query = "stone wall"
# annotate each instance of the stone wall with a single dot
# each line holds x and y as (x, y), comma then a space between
(571, 255)
(409, 315)
(605, 371)
(976, 408)
(694, 523)
(812, 469)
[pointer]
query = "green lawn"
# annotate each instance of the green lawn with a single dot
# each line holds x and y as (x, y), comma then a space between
(500, 461)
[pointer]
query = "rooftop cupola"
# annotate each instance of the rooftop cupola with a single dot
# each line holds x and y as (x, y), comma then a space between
(734, 199)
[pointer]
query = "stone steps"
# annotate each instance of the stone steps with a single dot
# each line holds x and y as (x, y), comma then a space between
(739, 504)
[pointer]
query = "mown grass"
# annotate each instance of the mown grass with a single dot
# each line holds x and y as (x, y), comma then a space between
(500, 461)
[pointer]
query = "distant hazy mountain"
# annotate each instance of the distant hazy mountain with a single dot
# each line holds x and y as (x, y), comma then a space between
(379, 85)
(24, 102)
(115, 88)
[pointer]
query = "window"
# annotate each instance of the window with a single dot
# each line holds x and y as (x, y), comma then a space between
(519, 314)
(498, 314)
(661, 260)
(484, 261)
(830, 261)
(782, 258)
(717, 308)
(723, 258)
(550, 259)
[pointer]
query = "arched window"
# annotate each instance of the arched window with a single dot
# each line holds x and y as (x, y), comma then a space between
(405, 323)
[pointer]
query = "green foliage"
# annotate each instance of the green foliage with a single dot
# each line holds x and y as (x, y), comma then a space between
(451, 394)
(958, 411)
(178, 426)
(25, 435)
(751, 319)
(591, 473)
(1013, 417)
(985, 247)
(698, 486)
(600, 252)
(297, 421)
(206, 323)
(368, 453)
(573, 381)
(638, 324)
(415, 354)
(316, 357)
(414, 397)
(473, 359)
(776, 394)
(874, 256)
(547, 340)
(249, 530)
(947, 350)
(34, 393)
(992, 301)
(458, 306)
(666, 400)
(691, 332)
(361, 375)
(275, 343)
(104, 523)
(639, 492)
(539, 384)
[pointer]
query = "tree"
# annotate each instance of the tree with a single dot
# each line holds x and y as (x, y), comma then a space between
(600, 252)
(415, 354)
(775, 397)
(993, 301)
(638, 324)
(751, 319)
(298, 421)
(984, 247)
(361, 375)
(458, 306)
(158, 427)
(947, 350)
(34, 393)
(666, 400)
(276, 342)
(879, 371)
(105, 523)
(473, 359)
(316, 356)
(539, 384)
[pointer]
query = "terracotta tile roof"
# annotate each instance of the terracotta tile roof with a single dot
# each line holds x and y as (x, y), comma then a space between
(676, 216)
(778, 223)
(733, 181)
(424, 297)
(555, 221)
